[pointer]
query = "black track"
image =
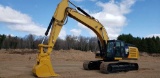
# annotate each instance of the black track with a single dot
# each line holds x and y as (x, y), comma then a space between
(121, 66)
(110, 67)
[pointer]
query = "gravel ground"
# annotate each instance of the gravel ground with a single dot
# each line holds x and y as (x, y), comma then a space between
(68, 64)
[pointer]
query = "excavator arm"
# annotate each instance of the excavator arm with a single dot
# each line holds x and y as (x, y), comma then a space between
(43, 67)
(60, 15)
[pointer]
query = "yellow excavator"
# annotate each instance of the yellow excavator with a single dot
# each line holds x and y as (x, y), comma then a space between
(111, 51)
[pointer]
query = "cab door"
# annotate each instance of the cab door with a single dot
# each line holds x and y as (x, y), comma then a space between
(119, 49)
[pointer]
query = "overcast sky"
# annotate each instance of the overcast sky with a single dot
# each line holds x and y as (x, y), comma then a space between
(138, 17)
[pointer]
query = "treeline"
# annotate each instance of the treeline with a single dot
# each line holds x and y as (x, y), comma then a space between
(31, 42)
(13, 42)
(78, 43)
(148, 44)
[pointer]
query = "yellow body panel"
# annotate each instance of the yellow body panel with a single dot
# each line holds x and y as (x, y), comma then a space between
(118, 58)
(133, 53)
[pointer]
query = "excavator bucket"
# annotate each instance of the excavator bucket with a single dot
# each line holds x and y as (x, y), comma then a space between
(43, 67)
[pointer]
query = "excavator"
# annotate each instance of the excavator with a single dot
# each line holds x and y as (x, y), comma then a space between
(111, 51)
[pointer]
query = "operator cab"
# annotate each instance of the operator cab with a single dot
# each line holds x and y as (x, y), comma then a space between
(116, 50)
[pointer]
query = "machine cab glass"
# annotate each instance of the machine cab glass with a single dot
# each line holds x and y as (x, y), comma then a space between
(115, 48)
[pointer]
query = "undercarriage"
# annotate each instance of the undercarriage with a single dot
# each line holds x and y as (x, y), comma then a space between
(110, 67)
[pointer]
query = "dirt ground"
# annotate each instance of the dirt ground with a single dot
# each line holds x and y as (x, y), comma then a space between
(68, 64)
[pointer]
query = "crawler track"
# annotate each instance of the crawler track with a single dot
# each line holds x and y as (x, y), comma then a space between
(107, 67)
(91, 65)
(110, 67)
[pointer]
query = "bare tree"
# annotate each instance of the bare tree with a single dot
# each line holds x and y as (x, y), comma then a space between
(93, 45)
(29, 40)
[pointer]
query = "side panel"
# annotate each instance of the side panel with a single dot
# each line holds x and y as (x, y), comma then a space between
(133, 53)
